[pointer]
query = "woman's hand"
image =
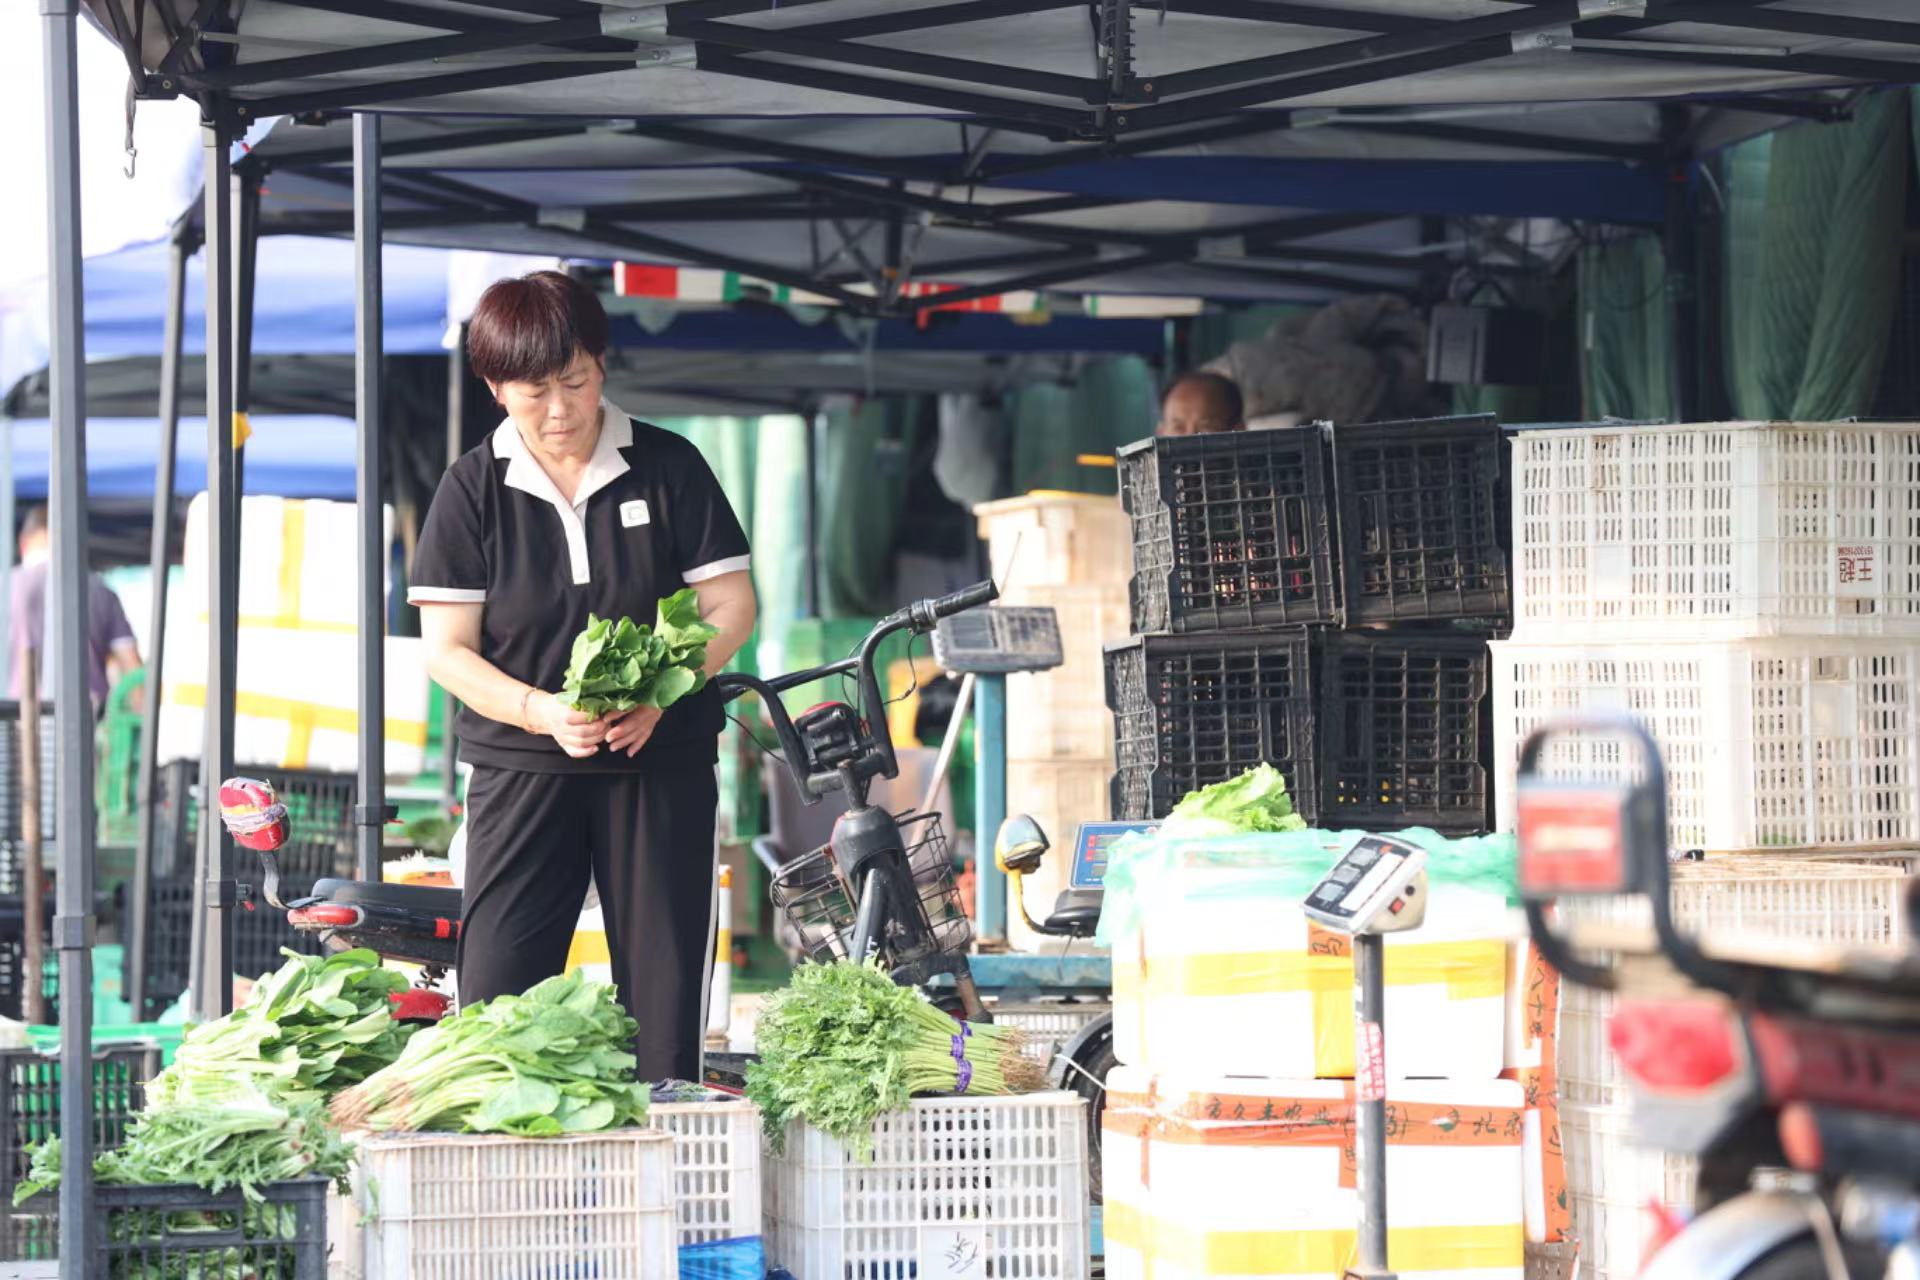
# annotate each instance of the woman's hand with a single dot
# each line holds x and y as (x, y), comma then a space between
(578, 733)
(630, 730)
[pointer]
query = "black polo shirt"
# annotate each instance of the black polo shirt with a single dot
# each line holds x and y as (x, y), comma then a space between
(648, 518)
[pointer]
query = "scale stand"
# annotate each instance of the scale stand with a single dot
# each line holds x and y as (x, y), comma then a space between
(1379, 886)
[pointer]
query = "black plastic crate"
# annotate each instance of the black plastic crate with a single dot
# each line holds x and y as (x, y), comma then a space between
(320, 839)
(1194, 710)
(185, 1231)
(1423, 520)
(1401, 726)
(1229, 531)
(30, 1113)
(12, 847)
(260, 930)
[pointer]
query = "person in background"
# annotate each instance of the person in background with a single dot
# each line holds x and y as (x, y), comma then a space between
(1199, 404)
(112, 651)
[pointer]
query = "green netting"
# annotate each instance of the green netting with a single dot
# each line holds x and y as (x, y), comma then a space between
(1141, 869)
(1113, 402)
(1815, 214)
(1626, 339)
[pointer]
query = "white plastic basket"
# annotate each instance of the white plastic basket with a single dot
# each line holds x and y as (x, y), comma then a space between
(1757, 896)
(716, 1167)
(957, 1186)
(1768, 744)
(1611, 1183)
(1049, 1024)
(452, 1207)
(1727, 529)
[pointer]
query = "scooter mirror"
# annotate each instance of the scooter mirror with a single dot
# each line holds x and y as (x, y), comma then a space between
(1020, 846)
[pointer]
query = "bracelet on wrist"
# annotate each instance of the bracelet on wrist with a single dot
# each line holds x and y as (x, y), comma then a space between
(525, 698)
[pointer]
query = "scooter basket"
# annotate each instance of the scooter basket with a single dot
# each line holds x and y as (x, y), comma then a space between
(820, 904)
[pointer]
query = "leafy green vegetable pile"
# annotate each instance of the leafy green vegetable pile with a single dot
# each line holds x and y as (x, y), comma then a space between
(1256, 801)
(553, 1061)
(843, 1045)
(241, 1138)
(619, 666)
(317, 1025)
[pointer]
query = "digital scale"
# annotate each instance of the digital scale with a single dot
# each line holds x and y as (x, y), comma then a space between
(1090, 845)
(1378, 886)
(998, 641)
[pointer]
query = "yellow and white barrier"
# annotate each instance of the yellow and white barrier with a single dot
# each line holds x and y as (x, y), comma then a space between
(1246, 986)
(1254, 1179)
(297, 572)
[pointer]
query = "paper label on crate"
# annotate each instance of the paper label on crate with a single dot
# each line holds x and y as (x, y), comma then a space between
(1856, 568)
(953, 1252)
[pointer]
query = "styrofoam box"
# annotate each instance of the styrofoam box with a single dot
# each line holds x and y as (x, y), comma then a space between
(957, 1186)
(1612, 1184)
(1056, 539)
(297, 699)
(1062, 714)
(1757, 896)
(1728, 529)
(297, 564)
(1059, 795)
(452, 1206)
(1217, 984)
(716, 1167)
(1253, 1190)
(1768, 744)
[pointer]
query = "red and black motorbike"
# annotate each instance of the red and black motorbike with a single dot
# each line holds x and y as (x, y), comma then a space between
(1791, 1071)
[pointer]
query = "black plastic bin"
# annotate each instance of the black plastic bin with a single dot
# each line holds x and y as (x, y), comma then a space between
(1229, 531)
(30, 1113)
(259, 932)
(1400, 725)
(1423, 527)
(12, 847)
(1194, 710)
(184, 1231)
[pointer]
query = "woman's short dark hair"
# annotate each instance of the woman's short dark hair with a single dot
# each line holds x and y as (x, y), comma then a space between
(528, 329)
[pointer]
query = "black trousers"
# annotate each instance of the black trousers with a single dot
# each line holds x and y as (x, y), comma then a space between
(646, 839)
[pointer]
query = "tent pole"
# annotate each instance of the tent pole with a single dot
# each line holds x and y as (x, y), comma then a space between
(456, 436)
(215, 892)
(371, 815)
(159, 558)
(73, 912)
(246, 245)
(815, 422)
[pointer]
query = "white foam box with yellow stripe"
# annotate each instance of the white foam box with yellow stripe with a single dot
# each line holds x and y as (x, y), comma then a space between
(298, 570)
(1254, 1179)
(1211, 981)
(296, 699)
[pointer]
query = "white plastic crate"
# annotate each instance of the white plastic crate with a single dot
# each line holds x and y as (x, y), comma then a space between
(453, 1207)
(1757, 896)
(1062, 714)
(1611, 1184)
(1049, 1024)
(716, 1167)
(966, 1187)
(1769, 744)
(1728, 529)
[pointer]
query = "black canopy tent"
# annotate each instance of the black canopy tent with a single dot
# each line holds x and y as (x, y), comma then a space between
(1101, 108)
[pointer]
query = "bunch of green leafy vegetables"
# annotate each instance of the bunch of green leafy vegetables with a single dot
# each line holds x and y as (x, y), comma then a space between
(1255, 802)
(555, 1060)
(617, 666)
(843, 1044)
(310, 1029)
(239, 1137)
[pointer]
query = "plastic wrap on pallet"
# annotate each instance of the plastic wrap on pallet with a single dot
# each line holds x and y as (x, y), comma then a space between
(1208, 1176)
(1216, 968)
(741, 1259)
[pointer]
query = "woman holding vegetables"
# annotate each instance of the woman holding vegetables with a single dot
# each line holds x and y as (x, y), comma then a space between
(569, 509)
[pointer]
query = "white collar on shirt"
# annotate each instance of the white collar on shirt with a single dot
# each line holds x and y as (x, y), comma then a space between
(607, 464)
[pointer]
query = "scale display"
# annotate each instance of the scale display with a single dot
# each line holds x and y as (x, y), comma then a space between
(1090, 845)
(998, 641)
(1378, 886)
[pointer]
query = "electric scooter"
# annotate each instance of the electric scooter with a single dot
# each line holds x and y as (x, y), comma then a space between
(883, 889)
(1791, 1071)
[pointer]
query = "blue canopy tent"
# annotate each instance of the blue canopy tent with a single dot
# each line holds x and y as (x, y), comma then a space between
(294, 456)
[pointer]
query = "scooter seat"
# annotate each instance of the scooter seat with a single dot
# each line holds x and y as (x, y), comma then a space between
(423, 899)
(1076, 913)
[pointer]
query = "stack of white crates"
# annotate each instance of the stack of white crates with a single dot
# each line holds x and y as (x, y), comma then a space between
(1749, 591)
(1071, 553)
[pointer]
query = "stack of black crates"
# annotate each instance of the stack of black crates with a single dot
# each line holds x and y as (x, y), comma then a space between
(1317, 598)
